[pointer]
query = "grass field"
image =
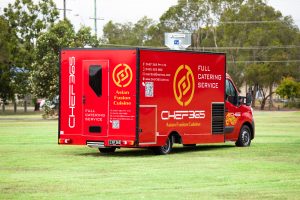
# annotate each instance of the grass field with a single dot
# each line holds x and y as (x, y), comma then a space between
(33, 166)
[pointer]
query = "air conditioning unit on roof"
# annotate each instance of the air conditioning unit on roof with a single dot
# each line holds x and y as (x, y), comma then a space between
(178, 40)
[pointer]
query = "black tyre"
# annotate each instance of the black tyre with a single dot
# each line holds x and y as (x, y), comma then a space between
(107, 150)
(163, 150)
(244, 139)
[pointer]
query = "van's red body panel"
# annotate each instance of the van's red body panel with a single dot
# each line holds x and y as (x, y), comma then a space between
(81, 108)
(189, 69)
(138, 97)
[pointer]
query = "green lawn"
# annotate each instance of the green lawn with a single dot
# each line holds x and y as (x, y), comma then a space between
(33, 166)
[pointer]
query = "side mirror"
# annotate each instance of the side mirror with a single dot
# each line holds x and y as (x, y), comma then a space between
(248, 99)
(233, 99)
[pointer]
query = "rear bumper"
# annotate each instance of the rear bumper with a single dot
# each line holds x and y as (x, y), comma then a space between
(97, 142)
(92, 144)
(111, 143)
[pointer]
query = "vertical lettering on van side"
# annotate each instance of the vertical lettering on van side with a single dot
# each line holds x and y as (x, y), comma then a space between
(72, 102)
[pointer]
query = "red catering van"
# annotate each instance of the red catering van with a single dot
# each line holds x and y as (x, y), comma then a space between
(149, 98)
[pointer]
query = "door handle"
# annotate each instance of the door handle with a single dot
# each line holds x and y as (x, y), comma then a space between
(83, 99)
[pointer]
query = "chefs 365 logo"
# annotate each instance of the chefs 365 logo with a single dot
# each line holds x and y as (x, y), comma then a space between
(184, 85)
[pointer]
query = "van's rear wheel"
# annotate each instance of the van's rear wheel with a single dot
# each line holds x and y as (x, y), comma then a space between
(163, 150)
(244, 139)
(107, 150)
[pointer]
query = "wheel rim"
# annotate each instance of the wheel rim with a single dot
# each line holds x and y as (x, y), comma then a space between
(245, 137)
(167, 146)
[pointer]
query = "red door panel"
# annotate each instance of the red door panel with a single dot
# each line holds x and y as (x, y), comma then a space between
(148, 123)
(95, 97)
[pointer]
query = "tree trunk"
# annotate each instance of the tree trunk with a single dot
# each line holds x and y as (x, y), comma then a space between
(198, 39)
(36, 106)
(194, 40)
(215, 36)
(255, 85)
(15, 107)
(271, 97)
(263, 103)
(254, 91)
(264, 99)
(25, 105)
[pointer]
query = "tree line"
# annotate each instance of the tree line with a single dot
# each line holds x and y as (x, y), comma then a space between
(262, 45)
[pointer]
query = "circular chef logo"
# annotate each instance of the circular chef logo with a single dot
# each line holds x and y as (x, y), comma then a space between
(122, 75)
(184, 85)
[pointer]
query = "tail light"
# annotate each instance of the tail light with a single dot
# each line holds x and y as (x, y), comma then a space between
(64, 141)
(128, 142)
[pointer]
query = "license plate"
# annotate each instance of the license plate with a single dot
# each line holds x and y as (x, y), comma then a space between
(114, 142)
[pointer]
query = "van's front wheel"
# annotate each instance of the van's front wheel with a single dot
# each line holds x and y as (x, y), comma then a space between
(163, 150)
(244, 139)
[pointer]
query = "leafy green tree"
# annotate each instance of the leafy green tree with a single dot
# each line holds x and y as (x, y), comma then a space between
(141, 31)
(196, 16)
(257, 75)
(188, 16)
(84, 38)
(138, 34)
(116, 33)
(6, 88)
(155, 36)
(44, 77)
(289, 88)
(26, 20)
(252, 39)
(199, 17)
(45, 73)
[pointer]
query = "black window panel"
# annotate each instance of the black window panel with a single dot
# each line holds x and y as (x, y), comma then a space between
(231, 93)
(95, 79)
(95, 129)
(230, 90)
